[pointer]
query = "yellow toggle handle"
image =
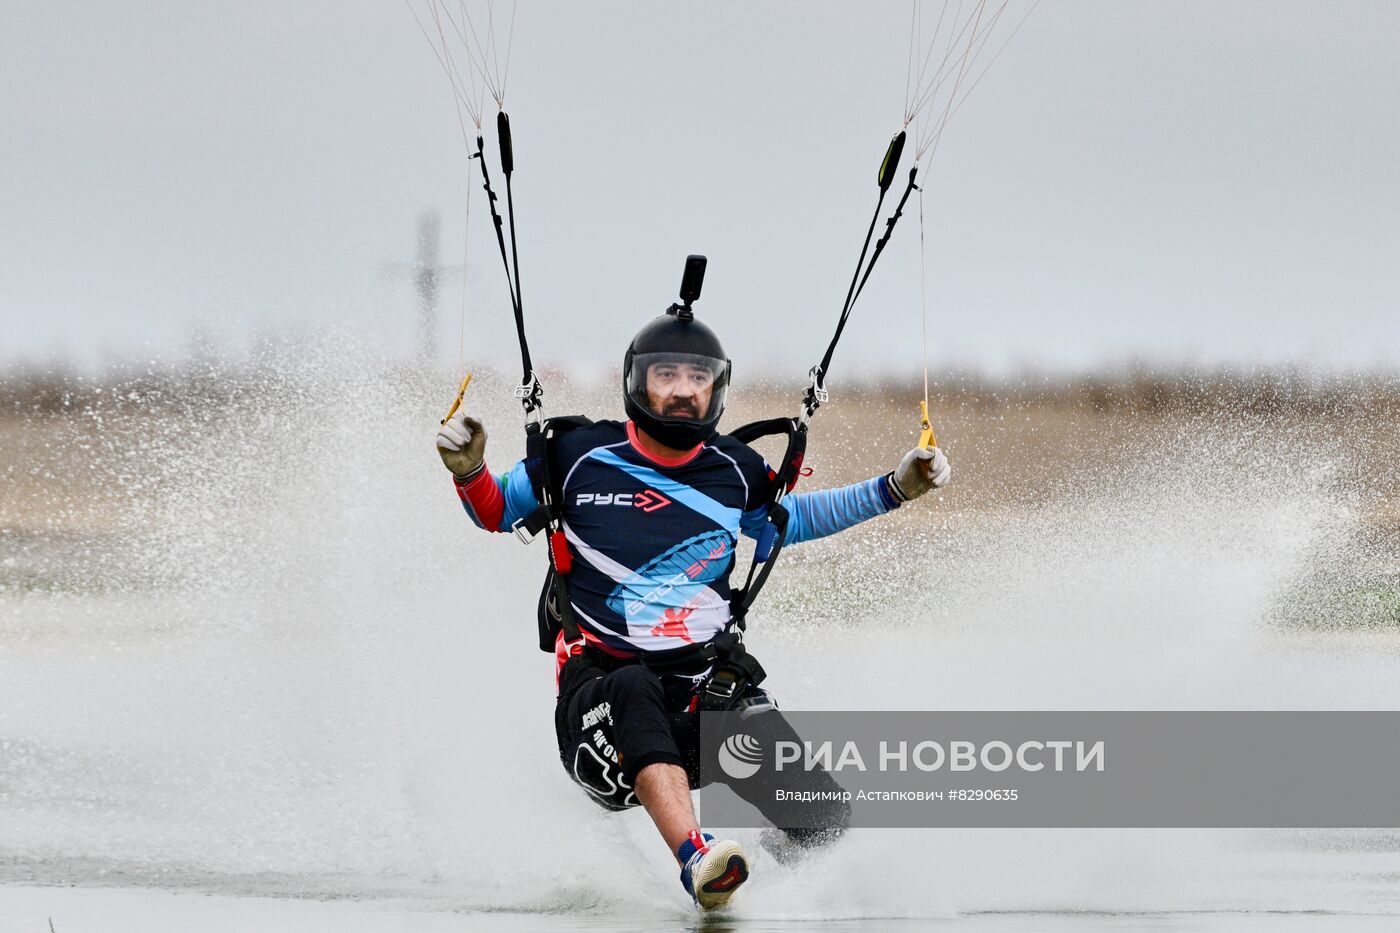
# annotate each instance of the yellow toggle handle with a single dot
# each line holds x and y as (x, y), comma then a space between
(927, 439)
(457, 402)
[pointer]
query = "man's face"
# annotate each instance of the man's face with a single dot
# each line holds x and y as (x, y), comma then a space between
(681, 390)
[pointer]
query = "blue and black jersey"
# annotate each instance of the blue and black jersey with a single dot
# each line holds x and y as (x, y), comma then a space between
(653, 540)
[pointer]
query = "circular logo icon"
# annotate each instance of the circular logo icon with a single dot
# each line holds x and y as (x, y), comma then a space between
(740, 756)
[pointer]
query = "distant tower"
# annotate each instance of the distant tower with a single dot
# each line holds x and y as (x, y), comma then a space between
(425, 277)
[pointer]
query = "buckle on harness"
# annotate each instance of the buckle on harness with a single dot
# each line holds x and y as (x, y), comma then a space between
(529, 388)
(816, 395)
(523, 533)
(529, 392)
(720, 690)
(528, 527)
(735, 671)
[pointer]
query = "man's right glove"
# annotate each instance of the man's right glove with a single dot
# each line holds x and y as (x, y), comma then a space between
(462, 443)
(922, 469)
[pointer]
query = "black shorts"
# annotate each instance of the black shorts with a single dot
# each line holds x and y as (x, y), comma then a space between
(611, 724)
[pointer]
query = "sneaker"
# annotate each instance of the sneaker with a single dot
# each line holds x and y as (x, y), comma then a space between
(711, 871)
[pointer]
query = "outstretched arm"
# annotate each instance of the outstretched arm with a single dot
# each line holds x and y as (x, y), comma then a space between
(824, 512)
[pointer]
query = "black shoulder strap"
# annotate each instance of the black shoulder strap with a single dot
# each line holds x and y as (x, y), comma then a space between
(752, 431)
(555, 611)
(770, 542)
(787, 473)
(537, 440)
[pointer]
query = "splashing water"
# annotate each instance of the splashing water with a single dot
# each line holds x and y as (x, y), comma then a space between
(294, 667)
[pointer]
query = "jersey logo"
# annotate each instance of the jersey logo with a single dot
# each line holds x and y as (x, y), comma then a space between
(697, 568)
(676, 578)
(648, 500)
(673, 624)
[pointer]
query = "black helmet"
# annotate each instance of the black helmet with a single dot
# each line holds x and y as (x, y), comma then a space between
(684, 359)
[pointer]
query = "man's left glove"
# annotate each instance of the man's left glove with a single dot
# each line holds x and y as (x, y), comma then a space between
(921, 469)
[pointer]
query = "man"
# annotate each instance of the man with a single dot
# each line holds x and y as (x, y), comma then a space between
(652, 509)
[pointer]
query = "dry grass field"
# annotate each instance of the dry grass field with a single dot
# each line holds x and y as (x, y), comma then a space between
(89, 465)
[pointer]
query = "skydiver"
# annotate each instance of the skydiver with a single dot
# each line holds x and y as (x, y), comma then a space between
(652, 509)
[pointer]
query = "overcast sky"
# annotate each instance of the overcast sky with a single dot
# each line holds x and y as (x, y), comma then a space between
(1185, 181)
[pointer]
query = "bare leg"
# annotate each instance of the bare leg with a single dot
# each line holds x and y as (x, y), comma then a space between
(665, 793)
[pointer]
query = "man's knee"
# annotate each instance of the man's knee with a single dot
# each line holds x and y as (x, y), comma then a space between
(633, 683)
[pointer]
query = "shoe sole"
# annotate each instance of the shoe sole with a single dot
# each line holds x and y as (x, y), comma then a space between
(724, 872)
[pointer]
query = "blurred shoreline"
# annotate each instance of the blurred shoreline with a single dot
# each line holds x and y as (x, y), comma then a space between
(101, 468)
(1131, 387)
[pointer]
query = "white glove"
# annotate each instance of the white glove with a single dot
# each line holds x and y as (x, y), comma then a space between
(462, 443)
(921, 469)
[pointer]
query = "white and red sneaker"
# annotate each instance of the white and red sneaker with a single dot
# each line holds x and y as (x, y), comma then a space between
(711, 871)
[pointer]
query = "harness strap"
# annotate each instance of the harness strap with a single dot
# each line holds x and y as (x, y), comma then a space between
(770, 543)
(743, 598)
(732, 669)
(735, 671)
(555, 605)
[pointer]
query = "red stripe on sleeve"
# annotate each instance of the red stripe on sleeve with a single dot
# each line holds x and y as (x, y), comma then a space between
(483, 497)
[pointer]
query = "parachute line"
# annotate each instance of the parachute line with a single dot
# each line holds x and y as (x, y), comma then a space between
(473, 69)
(923, 295)
(460, 98)
(934, 94)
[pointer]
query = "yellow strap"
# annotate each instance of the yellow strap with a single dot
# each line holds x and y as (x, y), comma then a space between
(457, 402)
(927, 439)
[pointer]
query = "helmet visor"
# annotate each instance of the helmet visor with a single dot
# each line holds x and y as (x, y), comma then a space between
(679, 386)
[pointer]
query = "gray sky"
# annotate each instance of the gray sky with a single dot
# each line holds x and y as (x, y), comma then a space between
(1185, 181)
